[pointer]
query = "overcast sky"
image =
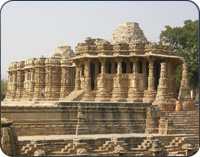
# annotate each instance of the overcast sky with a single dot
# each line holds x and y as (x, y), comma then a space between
(31, 29)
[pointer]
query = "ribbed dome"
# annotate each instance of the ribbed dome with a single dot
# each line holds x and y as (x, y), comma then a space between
(126, 32)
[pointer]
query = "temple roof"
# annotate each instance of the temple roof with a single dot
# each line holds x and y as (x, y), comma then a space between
(125, 32)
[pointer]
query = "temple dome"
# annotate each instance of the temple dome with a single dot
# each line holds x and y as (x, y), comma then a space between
(63, 51)
(127, 31)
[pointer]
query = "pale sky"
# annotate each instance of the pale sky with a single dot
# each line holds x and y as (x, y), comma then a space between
(32, 29)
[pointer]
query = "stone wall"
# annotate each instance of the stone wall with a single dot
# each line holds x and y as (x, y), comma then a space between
(63, 118)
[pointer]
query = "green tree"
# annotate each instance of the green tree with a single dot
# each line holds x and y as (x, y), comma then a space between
(185, 42)
(4, 83)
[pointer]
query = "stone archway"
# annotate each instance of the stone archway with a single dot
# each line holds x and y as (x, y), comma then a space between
(108, 67)
(92, 75)
(124, 65)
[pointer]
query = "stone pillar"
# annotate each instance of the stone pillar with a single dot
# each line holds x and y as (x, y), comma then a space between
(118, 93)
(88, 96)
(102, 91)
(171, 78)
(12, 82)
(119, 65)
(134, 93)
(26, 85)
(87, 76)
(66, 84)
(184, 91)
(150, 93)
(39, 78)
(135, 65)
(31, 84)
(29, 80)
(13, 86)
(8, 96)
(77, 79)
(52, 79)
(163, 98)
(20, 80)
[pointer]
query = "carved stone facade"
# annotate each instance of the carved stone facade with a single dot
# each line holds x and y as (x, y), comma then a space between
(128, 70)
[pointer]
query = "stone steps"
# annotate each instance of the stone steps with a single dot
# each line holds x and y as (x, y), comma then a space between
(74, 95)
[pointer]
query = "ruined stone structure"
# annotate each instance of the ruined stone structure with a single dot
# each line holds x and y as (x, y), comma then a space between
(107, 98)
(9, 139)
(126, 69)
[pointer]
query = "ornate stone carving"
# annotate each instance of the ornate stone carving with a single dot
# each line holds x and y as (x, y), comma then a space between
(184, 91)
(163, 97)
(39, 153)
(9, 139)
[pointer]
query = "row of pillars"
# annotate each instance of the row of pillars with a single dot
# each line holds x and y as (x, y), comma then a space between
(119, 61)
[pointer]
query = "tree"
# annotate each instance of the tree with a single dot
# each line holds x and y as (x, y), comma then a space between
(185, 42)
(4, 83)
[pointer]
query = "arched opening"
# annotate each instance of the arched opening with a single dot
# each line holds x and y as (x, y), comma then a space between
(115, 67)
(99, 68)
(108, 67)
(140, 67)
(131, 67)
(124, 67)
(82, 69)
(147, 72)
(156, 73)
(92, 73)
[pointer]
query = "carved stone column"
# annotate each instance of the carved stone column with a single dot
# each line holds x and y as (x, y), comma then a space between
(150, 93)
(102, 92)
(31, 84)
(52, 79)
(171, 78)
(26, 84)
(29, 80)
(8, 96)
(65, 88)
(39, 78)
(12, 82)
(118, 93)
(88, 94)
(77, 79)
(13, 86)
(163, 98)
(20, 80)
(134, 94)
(184, 91)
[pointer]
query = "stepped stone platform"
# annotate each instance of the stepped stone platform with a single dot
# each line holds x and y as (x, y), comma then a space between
(133, 144)
(102, 129)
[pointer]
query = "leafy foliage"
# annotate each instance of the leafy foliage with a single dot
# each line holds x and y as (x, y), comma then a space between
(185, 42)
(4, 83)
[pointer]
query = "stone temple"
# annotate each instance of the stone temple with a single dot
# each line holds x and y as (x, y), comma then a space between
(108, 98)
